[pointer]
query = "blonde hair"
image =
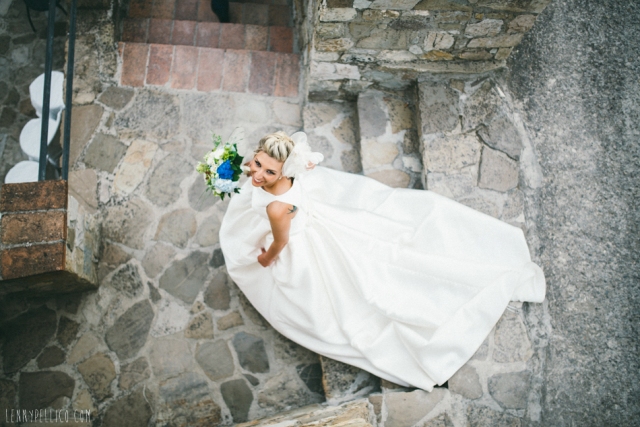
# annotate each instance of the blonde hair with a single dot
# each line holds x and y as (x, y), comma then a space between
(277, 145)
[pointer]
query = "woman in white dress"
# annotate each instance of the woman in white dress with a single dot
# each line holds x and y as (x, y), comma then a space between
(405, 284)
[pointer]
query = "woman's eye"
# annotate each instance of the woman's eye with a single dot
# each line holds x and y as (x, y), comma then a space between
(271, 172)
(257, 163)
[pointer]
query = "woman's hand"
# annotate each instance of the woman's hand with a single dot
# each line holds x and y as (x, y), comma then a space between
(263, 258)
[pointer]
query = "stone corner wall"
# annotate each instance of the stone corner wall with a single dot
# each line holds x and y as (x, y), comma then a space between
(389, 43)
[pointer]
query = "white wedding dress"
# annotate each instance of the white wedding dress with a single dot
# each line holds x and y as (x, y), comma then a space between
(405, 284)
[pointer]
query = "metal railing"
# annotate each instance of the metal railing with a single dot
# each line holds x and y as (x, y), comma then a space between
(48, 67)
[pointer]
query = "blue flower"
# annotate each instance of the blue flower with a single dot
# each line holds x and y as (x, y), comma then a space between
(225, 185)
(225, 171)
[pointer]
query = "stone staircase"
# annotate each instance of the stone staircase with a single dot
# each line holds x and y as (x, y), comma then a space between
(181, 45)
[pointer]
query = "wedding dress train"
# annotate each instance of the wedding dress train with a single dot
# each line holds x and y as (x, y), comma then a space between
(405, 284)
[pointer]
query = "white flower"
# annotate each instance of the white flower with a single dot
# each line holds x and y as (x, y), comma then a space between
(218, 153)
(225, 185)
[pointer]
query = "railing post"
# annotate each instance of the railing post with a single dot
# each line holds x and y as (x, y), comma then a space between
(69, 90)
(48, 66)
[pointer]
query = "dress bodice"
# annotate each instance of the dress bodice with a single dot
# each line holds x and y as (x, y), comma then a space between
(261, 199)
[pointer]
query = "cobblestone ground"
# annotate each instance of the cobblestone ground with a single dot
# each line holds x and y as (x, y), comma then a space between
(582, 106)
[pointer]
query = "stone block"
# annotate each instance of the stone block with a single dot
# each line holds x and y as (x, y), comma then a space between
(439, 41)
(129, 332)
(311, 376)
(287, 113)
(188, 402)
(163, 185)
(229, 321)
(454, 185)
(475, 55)
(134, 166)
(200, 327)
(481, 107)
(126, 280)
(342, 381)
(466, 382)
(158, 257)
(485, 201)
(217, 294)
(134, 373)
(451, 153)
(391, 177)
(387, 39)
(253, 315)
(98, 372)
(285, 390)
(131, 410)
(153, 114)
(177, 227)
(442, 5)
(170, 357)
(503, 53)
(486, 27)
(251, 352)
(372, 116)
(330, 31)
(238, 397)
(184, 278)
(501, 134)
(208, 231)
(116, 97)
(45, 389)
(394, 4)
(334, 45)
(506, 40)
(51, 356)
(215, 359)
(497, 171)
(511, 343)
(31, 260)
(128, 223)
(86, 346)
(84, 121)
(442, 420)
(511, 390)
(522, 23)
(83, 186)
(33, 227)
(104, 152)
(341, 14)
(514, 6)
(25, 336)
(200, 198)
(395, 56)
(171, 317)
(333, 71)
(30, 196)
(438, 108)
(406, 409)
(480, 416)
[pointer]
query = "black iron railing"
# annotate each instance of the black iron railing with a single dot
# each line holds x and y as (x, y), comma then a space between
(48, 67)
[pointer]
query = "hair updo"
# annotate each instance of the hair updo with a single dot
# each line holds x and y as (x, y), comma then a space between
(277, 145)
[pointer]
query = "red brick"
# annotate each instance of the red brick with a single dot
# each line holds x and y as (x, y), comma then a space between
(159, 69)
(235, 12)
(140, 8)
(33, 227)
(236, 70)
(256, 37)
(281, 39)
(208, 34)
(160, 31)
(279, 15)
(287, 75)
(210, 68)
(205, 14)
(163, 9)
(31, 260)
(183, 70)
(256, 14)
(184, 33)
(31, 196)
(263, 70)
(135, 30)
(231, 36)
(187, 10)
(134, 64)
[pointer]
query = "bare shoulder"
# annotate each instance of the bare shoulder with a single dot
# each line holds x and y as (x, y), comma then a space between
(277, 210)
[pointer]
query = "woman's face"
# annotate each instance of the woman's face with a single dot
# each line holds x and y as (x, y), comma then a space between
(265, 170)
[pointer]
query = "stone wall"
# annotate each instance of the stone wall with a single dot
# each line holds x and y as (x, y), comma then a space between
(575, 78)
(389, 42)
(22, 56)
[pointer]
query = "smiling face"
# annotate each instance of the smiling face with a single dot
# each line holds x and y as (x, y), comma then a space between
(265, 170)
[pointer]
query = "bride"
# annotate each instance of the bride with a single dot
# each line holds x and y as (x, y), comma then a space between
(405, 284)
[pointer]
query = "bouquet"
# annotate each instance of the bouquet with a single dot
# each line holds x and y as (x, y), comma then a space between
(222, 168)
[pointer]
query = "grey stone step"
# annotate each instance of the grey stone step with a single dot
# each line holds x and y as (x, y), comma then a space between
(389, 145)
(359, 413)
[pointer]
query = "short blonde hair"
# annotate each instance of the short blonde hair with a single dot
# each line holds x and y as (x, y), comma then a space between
(277, 145)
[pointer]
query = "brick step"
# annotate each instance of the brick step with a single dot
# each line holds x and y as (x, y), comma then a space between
(210, 70)
(254, 12)
(208, 34)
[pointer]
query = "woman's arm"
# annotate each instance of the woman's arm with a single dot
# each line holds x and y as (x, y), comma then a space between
(280, 216)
